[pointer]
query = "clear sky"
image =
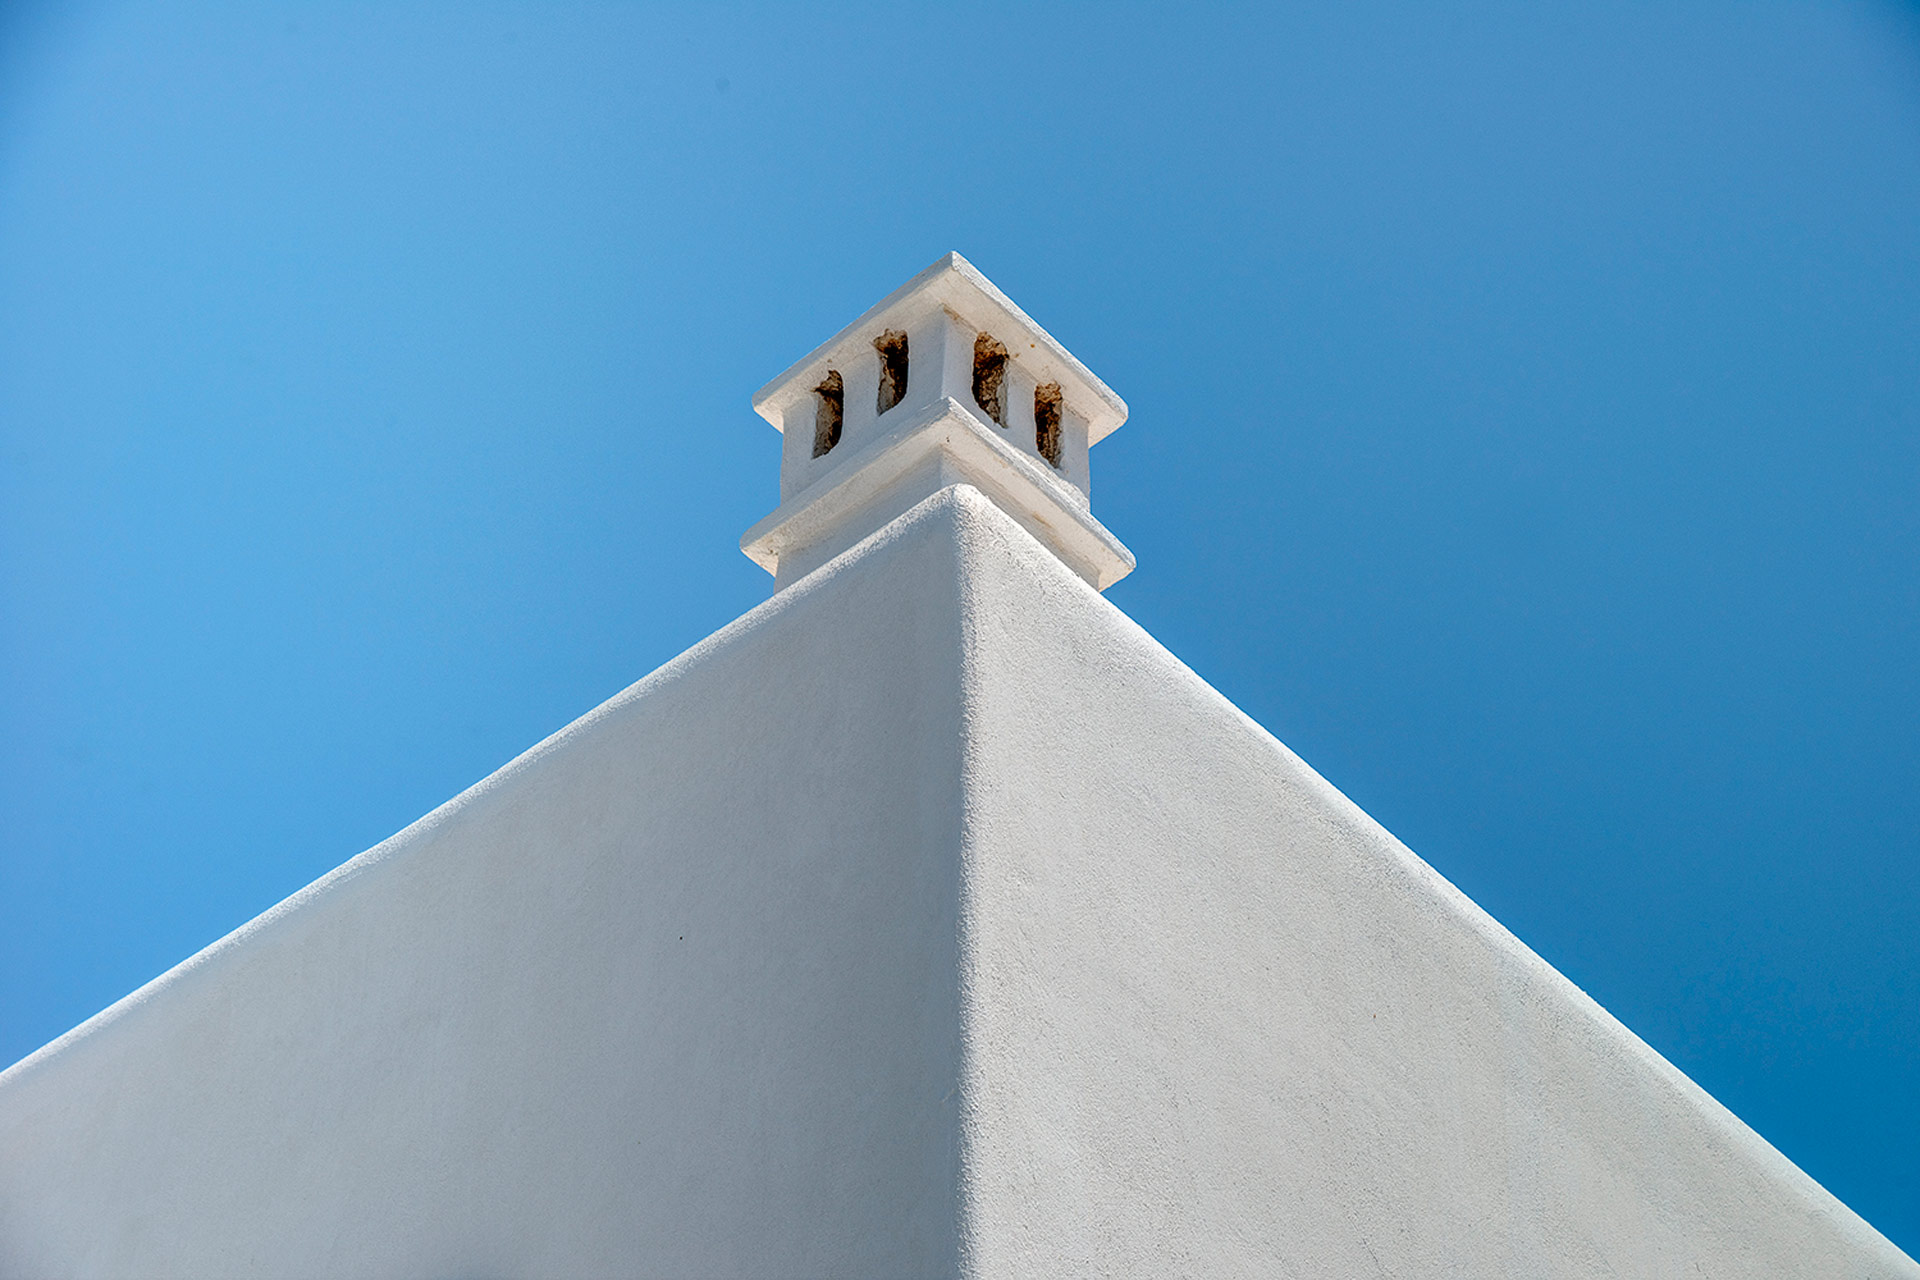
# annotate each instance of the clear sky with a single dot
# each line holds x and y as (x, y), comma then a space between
(1526, 429)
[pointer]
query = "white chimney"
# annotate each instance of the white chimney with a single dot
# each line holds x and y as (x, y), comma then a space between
(944, 382)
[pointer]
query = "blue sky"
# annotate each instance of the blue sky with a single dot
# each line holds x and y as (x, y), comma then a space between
(1526, 429)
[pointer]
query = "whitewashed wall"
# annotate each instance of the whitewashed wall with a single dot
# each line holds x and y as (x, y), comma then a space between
(931, 919)
(1219, 1022)
(671, 995)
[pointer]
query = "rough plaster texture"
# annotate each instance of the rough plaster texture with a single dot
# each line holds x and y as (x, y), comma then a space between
(1218, 1021)
(931, 919)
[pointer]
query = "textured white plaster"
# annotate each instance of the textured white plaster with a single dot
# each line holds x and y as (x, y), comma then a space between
(931, 919)
(1217, 1021)
(672, 994)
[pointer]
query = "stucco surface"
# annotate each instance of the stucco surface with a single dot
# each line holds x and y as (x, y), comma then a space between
(1218, 1021)
(931, 919)
(672, 995)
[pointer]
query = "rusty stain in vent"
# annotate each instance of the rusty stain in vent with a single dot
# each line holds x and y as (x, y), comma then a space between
(1046, 422)
(892, 346)
(828, 414)
(989, 373)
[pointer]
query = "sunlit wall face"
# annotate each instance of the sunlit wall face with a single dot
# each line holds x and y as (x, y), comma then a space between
(1525, 428)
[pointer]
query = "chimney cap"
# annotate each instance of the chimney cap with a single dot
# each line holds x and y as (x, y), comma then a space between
(957, 285)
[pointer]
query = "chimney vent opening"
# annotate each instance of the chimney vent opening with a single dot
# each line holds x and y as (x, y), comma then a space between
(892, 346)
(829, 412)
(1046, 422)
(989, 376)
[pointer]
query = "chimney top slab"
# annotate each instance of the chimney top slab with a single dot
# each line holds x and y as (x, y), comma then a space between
(956, 285)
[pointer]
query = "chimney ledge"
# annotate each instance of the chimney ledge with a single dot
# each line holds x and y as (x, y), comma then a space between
(942, 445)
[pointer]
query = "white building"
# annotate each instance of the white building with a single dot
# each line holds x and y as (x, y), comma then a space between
(930, 919)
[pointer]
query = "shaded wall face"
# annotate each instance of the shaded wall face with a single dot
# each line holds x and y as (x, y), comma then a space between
(673, 994)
